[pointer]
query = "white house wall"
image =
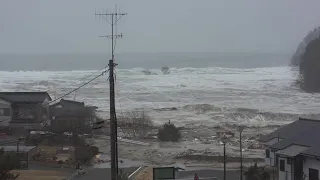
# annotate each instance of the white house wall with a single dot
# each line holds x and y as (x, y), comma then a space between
(5, 120)
(310, 163)
(287, 174)
(271, 160)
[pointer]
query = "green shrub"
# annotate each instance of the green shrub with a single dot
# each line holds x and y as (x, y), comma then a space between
(169, 132)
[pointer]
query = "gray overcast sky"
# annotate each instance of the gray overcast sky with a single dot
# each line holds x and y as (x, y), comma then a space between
(35, 26)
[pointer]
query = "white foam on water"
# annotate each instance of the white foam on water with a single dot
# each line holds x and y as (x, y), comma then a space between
(256, 96)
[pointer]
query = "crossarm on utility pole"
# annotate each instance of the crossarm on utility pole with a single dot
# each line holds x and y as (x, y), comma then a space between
(113, 117)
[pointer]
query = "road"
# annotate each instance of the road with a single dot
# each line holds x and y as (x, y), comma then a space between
(204, 174)
(102, 173)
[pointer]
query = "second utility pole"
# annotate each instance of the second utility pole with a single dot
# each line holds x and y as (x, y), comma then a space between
(113, 117)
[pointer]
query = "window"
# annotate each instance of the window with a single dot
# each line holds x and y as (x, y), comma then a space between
(267, 153)
(289, 161)
(282, 165)
(4, 111)
(313, 174)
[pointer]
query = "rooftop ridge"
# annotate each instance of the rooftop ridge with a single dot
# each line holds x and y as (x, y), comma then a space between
(23, 92)
(306, 119)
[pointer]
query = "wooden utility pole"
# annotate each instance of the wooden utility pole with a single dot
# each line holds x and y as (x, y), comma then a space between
(115, 16)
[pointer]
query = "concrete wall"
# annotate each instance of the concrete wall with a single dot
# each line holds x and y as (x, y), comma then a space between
(5, 119)
(310, 163)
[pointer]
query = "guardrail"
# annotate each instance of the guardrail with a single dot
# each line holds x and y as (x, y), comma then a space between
(132, 175)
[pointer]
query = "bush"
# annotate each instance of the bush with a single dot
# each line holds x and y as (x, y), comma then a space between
(169, 132)
(94, 150)
(83, 154)
(135, 124)
(256, 173)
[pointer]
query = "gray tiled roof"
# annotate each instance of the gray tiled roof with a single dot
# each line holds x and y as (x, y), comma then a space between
(307, 137)
(299, 137)
(292, 129)
(313, 151)
(25, 97)
(293, 150)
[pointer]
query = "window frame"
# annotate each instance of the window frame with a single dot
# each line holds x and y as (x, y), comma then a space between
(282, 165)
(315, 170)
(6, 112)
(289, 160)
(267, 153)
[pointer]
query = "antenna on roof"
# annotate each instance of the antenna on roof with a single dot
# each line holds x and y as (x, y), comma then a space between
(54, 91)
(75, 94)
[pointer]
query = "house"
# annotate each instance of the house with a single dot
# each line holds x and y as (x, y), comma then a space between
(295, 150)
(71, 116)
(24, 110)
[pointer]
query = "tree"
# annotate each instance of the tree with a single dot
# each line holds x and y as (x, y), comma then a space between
(83, 154)
(7, 163)
(310, 67)
(312, 35)
(169, 132)
(135, 124)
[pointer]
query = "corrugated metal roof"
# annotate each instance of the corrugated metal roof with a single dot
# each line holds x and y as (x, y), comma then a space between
(25, 97)
(293, 150)
(14, 148)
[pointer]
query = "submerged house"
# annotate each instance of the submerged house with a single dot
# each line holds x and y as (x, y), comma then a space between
(294, 150)
(24, 110)
(71, 116)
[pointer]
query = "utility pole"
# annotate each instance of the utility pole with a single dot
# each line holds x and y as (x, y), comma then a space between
(240, 129)
(224, 142)
(114, 16)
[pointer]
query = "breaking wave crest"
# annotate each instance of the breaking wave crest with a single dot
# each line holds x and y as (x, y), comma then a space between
(214, 115)
(207, 70)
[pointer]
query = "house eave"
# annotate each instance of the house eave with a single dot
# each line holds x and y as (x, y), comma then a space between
(309, 155)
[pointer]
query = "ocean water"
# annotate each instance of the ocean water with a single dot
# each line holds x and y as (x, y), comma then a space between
(202, 88)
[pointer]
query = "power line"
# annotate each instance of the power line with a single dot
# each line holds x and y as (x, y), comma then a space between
(79, 87)
(91, 74)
